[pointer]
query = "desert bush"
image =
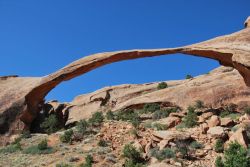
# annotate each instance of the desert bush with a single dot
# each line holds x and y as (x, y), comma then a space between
(219, 146)
(219, 162)
(162, 85)
(96, 119)
(162, 154)
(50, 124)
(196, 145)
(132, 154)
(180, 126)
(199, 104)
(247, 110)
(183, 148)
(14, 147)
(41, 148)
(163, 113)
(151, 107)
(102, 143)
(159, 126)
(82, 126)
(129, 115)
(43, 145)
(236, 156)
(88, 161)
(188, 76)
(110, 115)
(67, 136)
(190, 120)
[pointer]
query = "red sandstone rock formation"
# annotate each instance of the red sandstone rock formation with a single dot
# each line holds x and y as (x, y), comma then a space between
(21, 98)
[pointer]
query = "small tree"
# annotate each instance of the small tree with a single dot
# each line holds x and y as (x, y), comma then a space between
(67, 136)
(236, 156)
(131, 153)
(162, 85)
(190, 120)
(50, 124)
(96, 119)
(82, 126)
(219, 146)
(219, 162)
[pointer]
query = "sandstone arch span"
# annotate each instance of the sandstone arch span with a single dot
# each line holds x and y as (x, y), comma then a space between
(20, 97)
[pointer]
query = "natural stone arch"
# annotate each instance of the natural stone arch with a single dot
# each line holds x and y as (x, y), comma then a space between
(20, 97)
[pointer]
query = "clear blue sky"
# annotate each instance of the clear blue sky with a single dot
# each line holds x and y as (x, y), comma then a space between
(38, 37)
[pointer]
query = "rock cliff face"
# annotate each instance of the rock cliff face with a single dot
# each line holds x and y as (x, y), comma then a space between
(21, 98)
(220, 87)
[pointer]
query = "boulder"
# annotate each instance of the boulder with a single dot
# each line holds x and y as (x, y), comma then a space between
(240, 136)
(204, 128)
(226, 122)
(213, 121)
(169, 135)
(170, 121)
(216, 132)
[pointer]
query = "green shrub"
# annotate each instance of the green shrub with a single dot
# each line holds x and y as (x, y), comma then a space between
(190, 120)
(151, 107)
(163, 113)
(219, 162)
(96, 119)
(247, 110)
(136, 122)
(41, 148)
(159, 126)
(131, 153)
(196, 145)
(189, 76)
(102, 143)
(236, 156)
(11, 148)
(162, 85)
(67, 136)
(82, 126)
(223, 114)
(88, 161)
(110, 115)
(183, 148)
(219, 146)
(199, 104)
(180, 126)
(43, 145)
(162, 154)
(50, 124)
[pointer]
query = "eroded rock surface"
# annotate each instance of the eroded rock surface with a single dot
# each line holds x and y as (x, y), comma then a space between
(21, 98)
